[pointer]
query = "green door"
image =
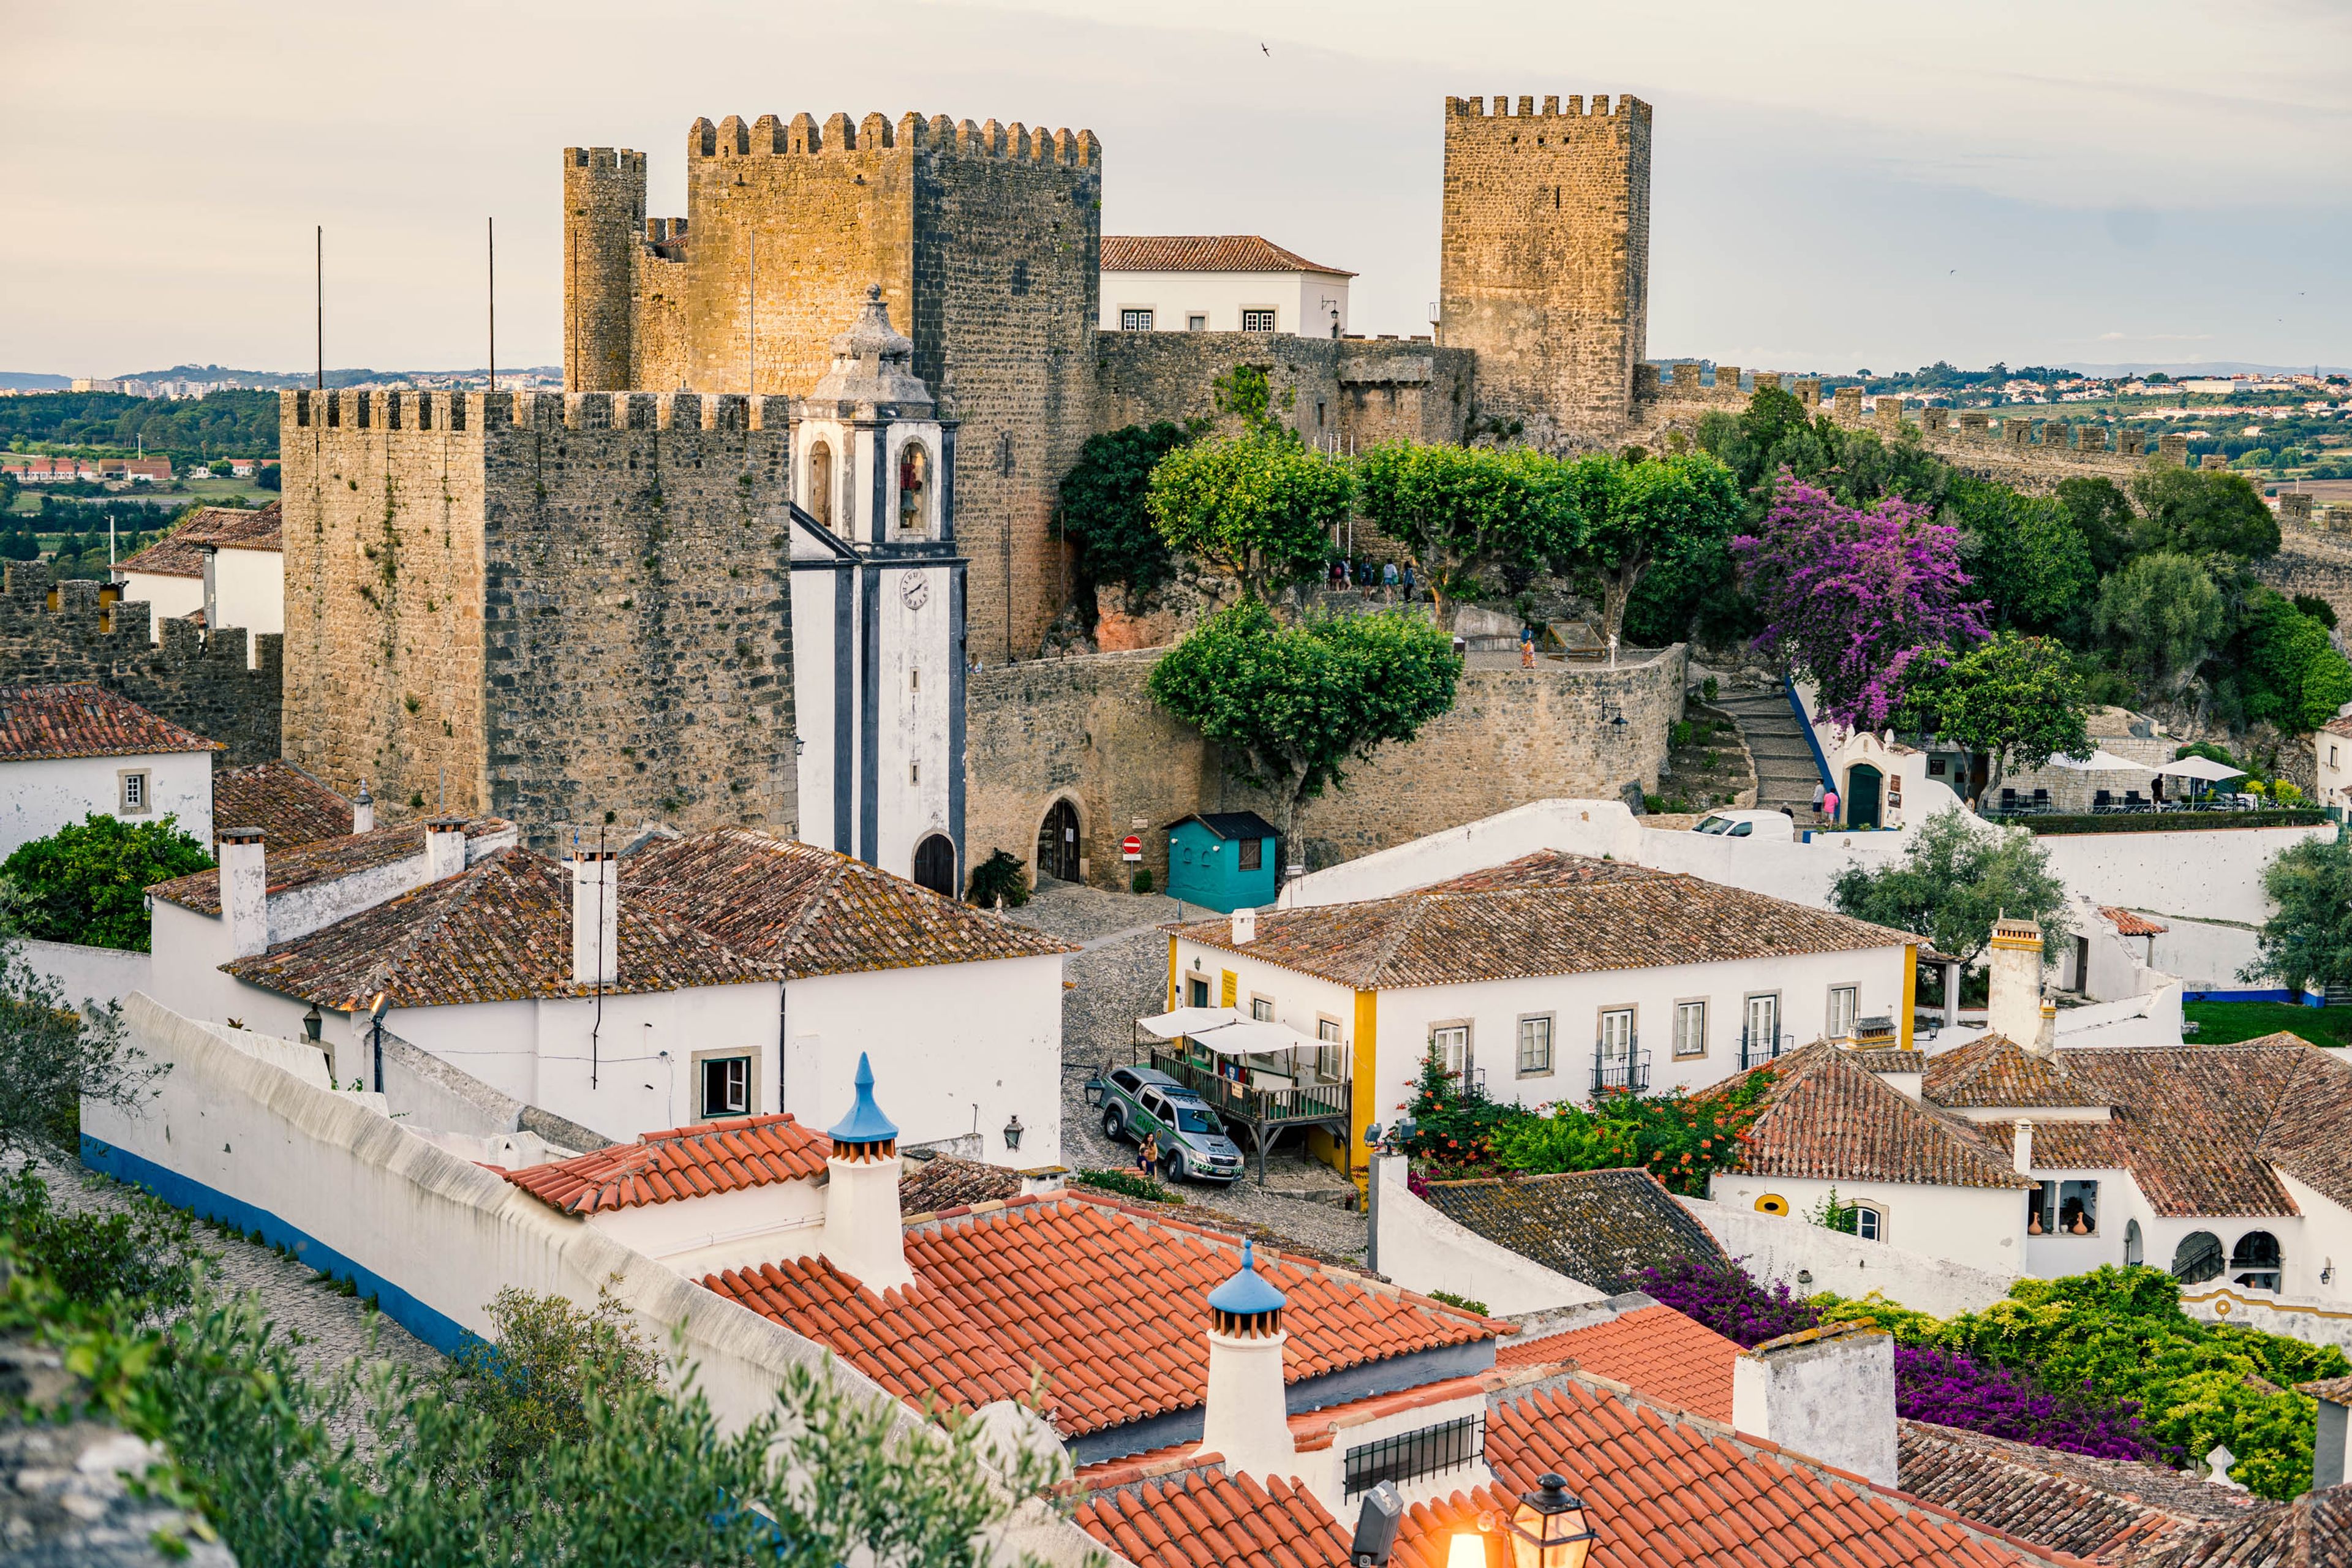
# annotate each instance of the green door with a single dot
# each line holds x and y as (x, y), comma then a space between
(1862, 795)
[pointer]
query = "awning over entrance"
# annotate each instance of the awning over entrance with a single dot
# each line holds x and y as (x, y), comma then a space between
(1188, 1021)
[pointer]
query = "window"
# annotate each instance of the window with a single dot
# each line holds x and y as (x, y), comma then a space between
(1262, 1009)
(2134, 1244)
(726, 1086)
(1843, 1005)
(2065, 1208)
(1616, 1034)
(2198, 1258)
(1125, 1078)
(1410, 1455)
(2331, 756)
(1763, 1021)
(820, 485)
(1328, 1064)
(1253, 854)
(1449, 1043)
(134, 792)
(1534, 1046)
(1257, 321)
(1690, 1028)
(2256, 1261)
(1869, 1224)
(1134, 320)
(1196, 323)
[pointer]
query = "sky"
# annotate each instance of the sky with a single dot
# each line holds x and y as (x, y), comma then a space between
(1834, 187)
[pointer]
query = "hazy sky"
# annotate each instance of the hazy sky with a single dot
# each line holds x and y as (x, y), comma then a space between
(1835, 185)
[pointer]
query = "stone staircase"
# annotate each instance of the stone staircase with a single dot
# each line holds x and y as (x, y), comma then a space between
(1785, 772)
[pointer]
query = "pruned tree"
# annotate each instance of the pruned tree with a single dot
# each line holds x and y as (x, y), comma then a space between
(1466, 510)
(1631, 512)
(1958, 876)
(2016, 700)
(1258, 506)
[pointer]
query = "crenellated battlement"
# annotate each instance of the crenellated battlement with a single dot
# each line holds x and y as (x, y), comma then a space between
(1572, 107)
(606, 162)
(769, 136)
(463, 411)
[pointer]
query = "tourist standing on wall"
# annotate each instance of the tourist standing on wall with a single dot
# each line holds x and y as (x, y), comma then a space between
(1409, 584)
(1389, 583)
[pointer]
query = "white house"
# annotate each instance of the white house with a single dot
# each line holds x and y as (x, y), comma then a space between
(69, 751)
(878, 612)
(2331, 749)
(225, 564)
(1546, 979)
(1218, 283)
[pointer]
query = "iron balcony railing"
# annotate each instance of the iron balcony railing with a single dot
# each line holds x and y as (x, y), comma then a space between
(1755, 1049)
(1625, 1069)
(1409, 1456)
(1302, 1103)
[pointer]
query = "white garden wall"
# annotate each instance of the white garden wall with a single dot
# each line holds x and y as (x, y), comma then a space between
(89, 974)
(1422, 1250)
(1772, 1247)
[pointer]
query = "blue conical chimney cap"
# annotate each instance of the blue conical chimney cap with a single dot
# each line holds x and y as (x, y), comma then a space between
(865, 1123)
(1248, 1293)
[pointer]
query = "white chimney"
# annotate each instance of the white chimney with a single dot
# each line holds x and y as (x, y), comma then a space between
(2021, 1150)
(595, 913)
(244, 891)
(444, 848)
(1245, 927)
(212, 590)
(1827, 1393)
(1245, 1419)
(363, 811)
(864, 1237)
(2014, 1006)
(2045, 1034)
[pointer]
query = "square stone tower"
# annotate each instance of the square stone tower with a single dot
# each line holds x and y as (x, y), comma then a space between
(1544, 268)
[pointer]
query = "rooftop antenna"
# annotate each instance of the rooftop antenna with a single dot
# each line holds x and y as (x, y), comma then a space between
(493, 224)
(321, 239)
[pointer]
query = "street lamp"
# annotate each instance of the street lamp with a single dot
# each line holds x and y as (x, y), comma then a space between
(1012, 1131)
(1547, 1529)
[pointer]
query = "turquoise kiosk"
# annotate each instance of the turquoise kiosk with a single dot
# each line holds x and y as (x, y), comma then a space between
(1224, 859)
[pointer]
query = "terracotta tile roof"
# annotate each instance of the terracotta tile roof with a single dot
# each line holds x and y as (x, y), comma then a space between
(289, 806)
(944, 1181)
(1893, 1061)
(2314, 1531)
(681, 1162)
(1655, 1351)
(2339, 725)
(223, 527)
(44, 724)
(2336, 1390)
(810, 912)
(1828, 1119)
(321, 862)
(2067, 1145)
(1994, 1070)
(500, 931)
(2127, 923)
(1103, 1299)
(1597, 1226)
(1204, 253)
(1215, 1521)
(1547, 913)
(2104, 1510)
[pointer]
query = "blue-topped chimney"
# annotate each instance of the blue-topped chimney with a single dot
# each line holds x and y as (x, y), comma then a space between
(864, 1134)
(864, 1234)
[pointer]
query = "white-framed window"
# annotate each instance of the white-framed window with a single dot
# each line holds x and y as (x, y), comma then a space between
(1845, 1007)
(1257, 321)
(1450, 1043)
(1198, 322)
(1690, 1028)
(1535, 1045)
(1869, 1223)
(1763, 1021)
(1262, 1009)
(1329, 1066)
(136, 796)
(2331, 756)
(1616, 1036)
(1134, 320)
(726, 1087)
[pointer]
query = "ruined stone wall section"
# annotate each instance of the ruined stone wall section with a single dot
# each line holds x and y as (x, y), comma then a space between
(52, 633)
(604, 220)
(1544, 256)
(1345, 391)
(2312, 562)
(563, 606)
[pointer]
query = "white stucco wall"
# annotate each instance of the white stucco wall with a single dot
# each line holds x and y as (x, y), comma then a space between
(89, 974)
(1302, 301)
(1981, 1228)
(39, 797)
(2331, 757)
(1422, 1250)
(166, 597)
(816, 609)
(954, 1046)
(249, 589)
(704, 1236)
(1772, 1249)
(2213, 876)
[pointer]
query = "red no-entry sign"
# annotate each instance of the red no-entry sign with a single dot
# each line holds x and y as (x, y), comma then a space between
(1130, 848)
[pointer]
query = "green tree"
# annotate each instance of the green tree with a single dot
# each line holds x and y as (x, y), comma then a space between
(2103, 515)
(2025, 553)
(1630, 513)
(2017, 700)
(2307, 944)
(1957, 877)
(2195, 512)
(1103, 505)
(1463, 510)
(2163, 615)
(546, 1361)
(143, 1255)
(1260, 507)
(54, 1056)
(2288, 671)
(1776, 432)
(87, 882)
(1293, 706)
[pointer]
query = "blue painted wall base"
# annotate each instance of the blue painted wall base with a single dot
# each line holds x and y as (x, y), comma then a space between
(2273, 993)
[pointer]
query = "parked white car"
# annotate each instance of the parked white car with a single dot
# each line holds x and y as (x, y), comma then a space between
(1747, 825)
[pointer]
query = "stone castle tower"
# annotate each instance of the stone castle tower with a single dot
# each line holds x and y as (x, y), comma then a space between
(985, 240)
(1544, 268)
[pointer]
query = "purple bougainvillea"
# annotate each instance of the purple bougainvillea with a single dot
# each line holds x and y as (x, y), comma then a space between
(1866, 601)
(1724, 1299)
(1952, 1389)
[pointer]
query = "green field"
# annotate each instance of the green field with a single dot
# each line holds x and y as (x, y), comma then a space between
(2218, 1023)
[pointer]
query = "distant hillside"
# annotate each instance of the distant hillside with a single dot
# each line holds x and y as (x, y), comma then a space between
(220, 423)
(33, 380)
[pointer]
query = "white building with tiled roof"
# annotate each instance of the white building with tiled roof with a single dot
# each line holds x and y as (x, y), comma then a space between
(224, 563)
(1218, 283)
(68, 752)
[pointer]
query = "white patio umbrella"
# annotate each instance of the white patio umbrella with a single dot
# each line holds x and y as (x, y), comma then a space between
(2100, 761)
(1188, 1021)
(1251, 1037)
(2205, 770)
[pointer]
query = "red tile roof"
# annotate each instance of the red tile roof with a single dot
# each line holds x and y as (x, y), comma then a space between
(1827, 1117)
(223, 527)
(810, 912)
(2314, 1531)
(1992, 1071)
(1215, 1521)
(324, 861)
(681, 1162)
(289, 806)
(2127, 923)
(1655, 1351)
(44, 723)
(1204, 253)
(1104, 1299)
(500, 931)
(1547, 913)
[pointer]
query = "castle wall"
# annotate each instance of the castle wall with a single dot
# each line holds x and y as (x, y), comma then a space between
(1544, 258)
(573, 605)
(52, 633)
(659, 328)
(603, 216)
(1329, 390)
(2312, 562)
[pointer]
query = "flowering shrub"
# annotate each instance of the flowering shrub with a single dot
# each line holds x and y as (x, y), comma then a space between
(1724, 1299)
(1954, 1389)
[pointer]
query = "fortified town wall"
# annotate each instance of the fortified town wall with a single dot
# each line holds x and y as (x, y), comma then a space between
(1335, 392)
